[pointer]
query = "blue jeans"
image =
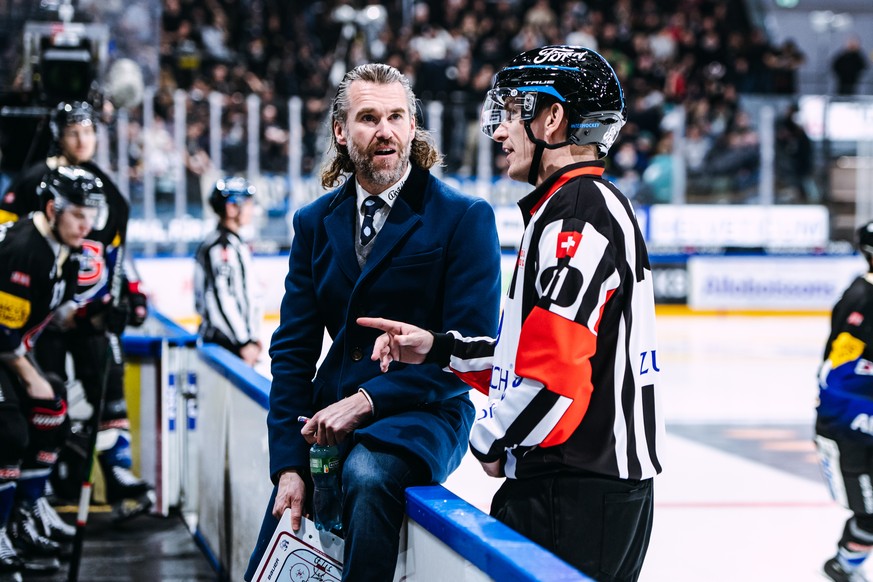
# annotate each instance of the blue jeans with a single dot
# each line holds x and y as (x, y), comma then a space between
(374, 503)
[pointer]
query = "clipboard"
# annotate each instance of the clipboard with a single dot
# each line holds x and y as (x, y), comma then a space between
(305, 555)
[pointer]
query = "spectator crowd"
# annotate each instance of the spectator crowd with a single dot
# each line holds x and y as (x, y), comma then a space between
(700, 54)
(687, 67)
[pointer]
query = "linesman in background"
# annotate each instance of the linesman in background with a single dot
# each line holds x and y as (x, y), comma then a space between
(844, 421)
(573, 417)
(83, 333)
(38, 272)
(223, 274)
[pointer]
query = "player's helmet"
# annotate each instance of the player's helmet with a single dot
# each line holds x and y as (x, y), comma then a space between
(74, 186)
(577, 77)
(865, 239)
(232, 190)
(74, 112)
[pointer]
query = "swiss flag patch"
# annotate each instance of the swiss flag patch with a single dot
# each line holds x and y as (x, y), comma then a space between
(568, 242)
(855, 318)
(9, 198)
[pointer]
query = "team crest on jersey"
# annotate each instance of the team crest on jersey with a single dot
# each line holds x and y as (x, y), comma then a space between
(855, 318)
(92, 264)
(568, 243)
(20, 278)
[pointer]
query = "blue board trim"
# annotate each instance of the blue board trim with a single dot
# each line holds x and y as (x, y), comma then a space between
(238, 372)
(176, 335)
(146, 341)
(494, 548)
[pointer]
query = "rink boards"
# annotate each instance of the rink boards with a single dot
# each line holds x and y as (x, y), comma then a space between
(200, 429)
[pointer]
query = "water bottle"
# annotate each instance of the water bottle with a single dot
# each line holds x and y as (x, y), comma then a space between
(324, 464)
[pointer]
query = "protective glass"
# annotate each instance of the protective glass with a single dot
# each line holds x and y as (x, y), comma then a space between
(504, 104)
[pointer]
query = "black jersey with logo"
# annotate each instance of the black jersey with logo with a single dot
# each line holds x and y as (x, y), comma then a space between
(36, 275)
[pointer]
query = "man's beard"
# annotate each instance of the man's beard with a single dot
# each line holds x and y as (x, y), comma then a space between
(383, 177)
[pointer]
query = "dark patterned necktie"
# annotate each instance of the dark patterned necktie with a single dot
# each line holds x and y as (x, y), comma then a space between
(370, 206)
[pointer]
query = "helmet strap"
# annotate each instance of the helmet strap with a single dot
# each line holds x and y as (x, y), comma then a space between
(53, 226)
(540, 147)
(57, 233)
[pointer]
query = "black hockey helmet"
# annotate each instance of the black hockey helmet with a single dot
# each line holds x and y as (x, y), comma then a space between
(70, 113)
(577, 77)
(232, 190)
(74, 186)
(865, 239)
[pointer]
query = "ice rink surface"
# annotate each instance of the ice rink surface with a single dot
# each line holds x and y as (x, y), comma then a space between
(740, 498)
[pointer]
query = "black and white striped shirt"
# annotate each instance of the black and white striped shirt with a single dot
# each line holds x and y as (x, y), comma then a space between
(222, 294)
(572, 378)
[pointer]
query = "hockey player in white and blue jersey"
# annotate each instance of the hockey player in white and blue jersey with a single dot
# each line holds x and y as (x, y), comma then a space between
(844, 422)
(222, 275)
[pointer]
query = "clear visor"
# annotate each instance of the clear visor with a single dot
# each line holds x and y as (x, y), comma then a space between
(101, 214)
(506, 105)
(102, 217)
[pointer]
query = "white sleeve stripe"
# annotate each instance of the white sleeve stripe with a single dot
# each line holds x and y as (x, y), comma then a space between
(610, 284)
(620, 215)
(548, 423)
(473, 365)
(619, 429)
(502, 414)
(478, 353)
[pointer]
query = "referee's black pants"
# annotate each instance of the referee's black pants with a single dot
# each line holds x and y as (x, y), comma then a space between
(598, 524)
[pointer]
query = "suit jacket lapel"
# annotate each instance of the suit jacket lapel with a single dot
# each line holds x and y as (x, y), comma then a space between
(339, 225)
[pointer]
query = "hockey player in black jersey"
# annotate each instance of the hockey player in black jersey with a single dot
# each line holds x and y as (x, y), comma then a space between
(844, 419)
(38, 272)
(222, 274)
(83, 334)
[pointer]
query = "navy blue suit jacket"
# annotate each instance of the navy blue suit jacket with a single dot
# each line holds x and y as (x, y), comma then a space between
(435, 263)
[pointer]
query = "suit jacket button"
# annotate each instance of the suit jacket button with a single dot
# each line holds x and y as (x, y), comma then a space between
(357, 354)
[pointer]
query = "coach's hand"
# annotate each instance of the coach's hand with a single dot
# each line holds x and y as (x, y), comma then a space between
(290, 492)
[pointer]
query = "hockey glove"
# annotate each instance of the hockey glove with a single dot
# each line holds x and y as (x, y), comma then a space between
(139, 307)
(116, 317)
